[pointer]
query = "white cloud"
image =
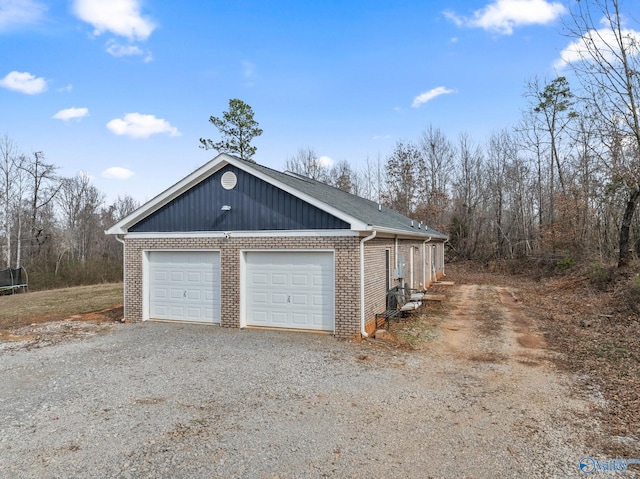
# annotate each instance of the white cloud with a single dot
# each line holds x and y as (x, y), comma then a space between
(24, 82)
(120, 17)
(137, 125)
(117, 173)
(381, 137)
(325, 162)
(70, 113)
(503, 16)
(603, 40)
(69, 87)
(117, 50)
(430, 95)
(20, 12)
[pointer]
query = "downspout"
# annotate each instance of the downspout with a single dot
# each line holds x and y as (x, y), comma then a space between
(396, 254)
(362, 318)
(445, 242)
(424, 262)
(124, 277)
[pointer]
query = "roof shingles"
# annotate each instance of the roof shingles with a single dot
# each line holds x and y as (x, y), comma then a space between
(366, 211)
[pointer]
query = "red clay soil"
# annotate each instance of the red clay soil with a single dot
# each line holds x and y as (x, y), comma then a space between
(594, 328)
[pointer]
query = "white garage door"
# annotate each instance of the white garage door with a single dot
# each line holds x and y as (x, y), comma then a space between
(184, 285)
(290, 290)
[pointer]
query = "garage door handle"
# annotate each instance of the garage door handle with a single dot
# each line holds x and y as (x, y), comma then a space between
(288, 298)
(184, 295)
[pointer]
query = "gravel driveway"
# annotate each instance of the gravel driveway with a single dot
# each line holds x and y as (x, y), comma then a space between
(162, 400)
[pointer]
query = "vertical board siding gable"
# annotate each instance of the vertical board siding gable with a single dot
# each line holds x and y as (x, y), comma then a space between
(255, 205)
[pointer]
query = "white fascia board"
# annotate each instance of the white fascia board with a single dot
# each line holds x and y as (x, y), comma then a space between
(169, 194)
(356, 224)
(405, 234)
(243, 234)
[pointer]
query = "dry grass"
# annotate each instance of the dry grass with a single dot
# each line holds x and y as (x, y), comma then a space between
(23, 309)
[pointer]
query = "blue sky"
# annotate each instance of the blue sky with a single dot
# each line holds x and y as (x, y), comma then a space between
(123, 89)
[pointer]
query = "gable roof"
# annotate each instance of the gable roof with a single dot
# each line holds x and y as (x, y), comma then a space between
(360, 213)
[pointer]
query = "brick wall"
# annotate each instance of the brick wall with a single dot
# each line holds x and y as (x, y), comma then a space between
(347, 273)
(375, 278)
(375, 272)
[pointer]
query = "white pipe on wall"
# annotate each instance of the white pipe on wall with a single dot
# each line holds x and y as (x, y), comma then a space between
(124, 276)
(362, 316)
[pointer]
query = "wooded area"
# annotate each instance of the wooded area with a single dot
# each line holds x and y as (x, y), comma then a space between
(54, 226)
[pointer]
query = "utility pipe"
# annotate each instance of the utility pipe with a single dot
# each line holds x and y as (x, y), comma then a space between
(396, 255)
(424, 263)
(124, 276)
(362, 316)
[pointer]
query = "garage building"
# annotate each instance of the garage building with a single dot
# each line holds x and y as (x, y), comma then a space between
(238, 244)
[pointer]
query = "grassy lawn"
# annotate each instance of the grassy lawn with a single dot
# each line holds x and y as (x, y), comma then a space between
(22, 309)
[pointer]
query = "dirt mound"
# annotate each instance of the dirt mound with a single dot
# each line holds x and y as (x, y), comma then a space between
(44, 330)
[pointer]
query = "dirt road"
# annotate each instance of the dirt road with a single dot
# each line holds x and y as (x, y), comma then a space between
(482, 337)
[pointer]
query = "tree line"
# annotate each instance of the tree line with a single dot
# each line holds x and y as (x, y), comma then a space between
(563, 183)
(54, 226)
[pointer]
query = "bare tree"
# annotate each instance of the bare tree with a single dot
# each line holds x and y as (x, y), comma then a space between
(123, 207)
(401, 188)
(43, 187)
(436, 166)
(10, 164)
(468, 198)
(343, 177)
(372, 180)
(80, 203)
(605, 57)
(307, 163)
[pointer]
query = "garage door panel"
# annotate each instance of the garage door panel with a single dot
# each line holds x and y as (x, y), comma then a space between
(259, 317)
(259, 278)
(196, 295)
(292, 289)
(317, 319)
(160, 276)
(184, 285)
(278, 298)
(160, 293)
(176, 276)
(300, 320)
(319, 300)
(176, 293)
(280, 318)
(300, 280)
(300, 299)
(259, 298)
(195, 277)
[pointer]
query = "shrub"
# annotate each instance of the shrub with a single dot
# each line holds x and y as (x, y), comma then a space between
(601, 277)
(632, 295)
(565, 263)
